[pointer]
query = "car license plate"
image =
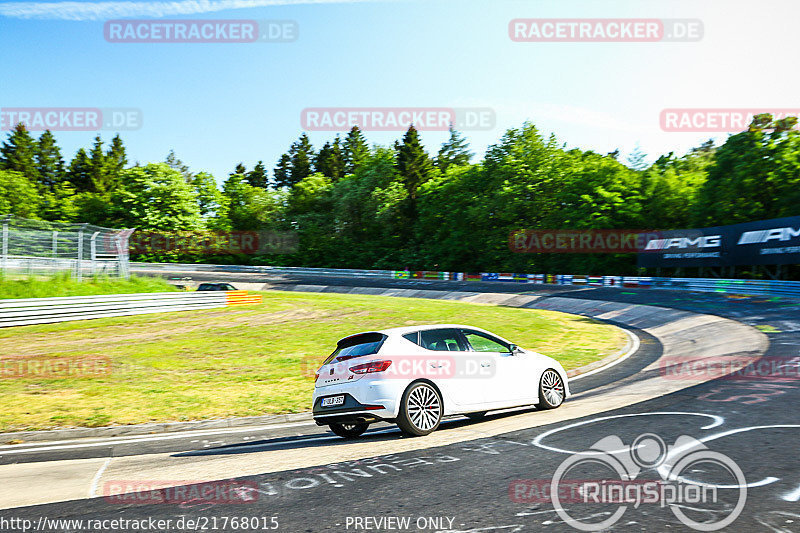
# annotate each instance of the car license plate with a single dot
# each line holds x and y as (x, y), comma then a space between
(333, 401)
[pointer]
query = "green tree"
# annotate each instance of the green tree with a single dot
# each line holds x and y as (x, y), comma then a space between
(116, 158)
(281, 175)
(250, 208)
(302, 155)
(213, 204)
(354, 150)
(754, 175)
(258, 176)
(637, 160)
(18, 195)
(413, 162)
(176, 164)
(49, 163)
(329, 161)
(157, 197)
(455, 151)
(78, 173)
(18, 153)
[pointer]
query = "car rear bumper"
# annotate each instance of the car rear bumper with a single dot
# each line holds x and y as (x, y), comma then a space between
(365, 400)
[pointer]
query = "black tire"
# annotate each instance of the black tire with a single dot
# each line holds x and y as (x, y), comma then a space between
(551, 390)
(476, 416)
(421, 410)
(349, 431)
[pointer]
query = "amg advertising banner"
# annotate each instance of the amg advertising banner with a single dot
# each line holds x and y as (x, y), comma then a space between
(766, 242)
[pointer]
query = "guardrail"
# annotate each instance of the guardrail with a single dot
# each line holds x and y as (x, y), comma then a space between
(28, 311)
(728, 286)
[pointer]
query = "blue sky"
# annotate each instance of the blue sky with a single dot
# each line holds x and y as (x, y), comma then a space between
(218, 104)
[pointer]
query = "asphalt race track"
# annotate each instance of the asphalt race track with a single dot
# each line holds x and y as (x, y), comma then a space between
(496, 483)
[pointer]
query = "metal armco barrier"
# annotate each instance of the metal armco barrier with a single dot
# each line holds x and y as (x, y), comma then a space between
(28, 311)
(728, 286)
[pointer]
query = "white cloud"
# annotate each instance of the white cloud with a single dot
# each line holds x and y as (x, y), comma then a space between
(124, 9)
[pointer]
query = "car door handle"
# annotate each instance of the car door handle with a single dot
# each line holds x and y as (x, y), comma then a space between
(486, 365)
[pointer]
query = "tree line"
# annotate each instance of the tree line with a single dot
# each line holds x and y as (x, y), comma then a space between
(368, 206)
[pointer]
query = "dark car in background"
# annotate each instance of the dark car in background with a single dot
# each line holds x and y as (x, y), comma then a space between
(216, 287)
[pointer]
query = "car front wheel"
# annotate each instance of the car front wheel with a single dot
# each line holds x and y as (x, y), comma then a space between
(421, 410)
(551, 390)
(349, 431)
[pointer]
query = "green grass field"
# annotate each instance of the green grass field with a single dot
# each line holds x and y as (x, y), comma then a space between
(62, 285)
(243, 361)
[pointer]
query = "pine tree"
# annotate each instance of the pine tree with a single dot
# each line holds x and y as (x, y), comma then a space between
(78, 173)
(454, 152)
(99, 175)
(329, 160)
(49, 163)
(281, 174)
(18, 153)
(176, 164)
(637, 160)
(354, 151)
(258, 176)
(116, 159)
(302, 154)
(413, 162)
(240, 170)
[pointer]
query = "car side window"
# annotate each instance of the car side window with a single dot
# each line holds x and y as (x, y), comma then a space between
(482, 342)
(442, 340)
(413, 337)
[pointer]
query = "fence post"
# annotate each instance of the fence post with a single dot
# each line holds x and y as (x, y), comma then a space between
(4, 256)
(93, 251)
(80, 253)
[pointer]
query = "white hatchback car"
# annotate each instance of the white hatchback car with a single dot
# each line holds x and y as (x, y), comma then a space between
(415, 376)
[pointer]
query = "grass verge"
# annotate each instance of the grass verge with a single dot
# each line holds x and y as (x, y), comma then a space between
(63, 285)
(242, 361)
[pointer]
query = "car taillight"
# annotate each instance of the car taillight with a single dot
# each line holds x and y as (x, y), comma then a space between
(316, 377)
(369, 368)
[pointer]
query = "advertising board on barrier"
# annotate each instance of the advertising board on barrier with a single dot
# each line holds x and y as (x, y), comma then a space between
(766, 242)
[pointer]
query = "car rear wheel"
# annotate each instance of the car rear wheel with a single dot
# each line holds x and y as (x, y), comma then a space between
(349, 431)
(421, 410)
(551, 390)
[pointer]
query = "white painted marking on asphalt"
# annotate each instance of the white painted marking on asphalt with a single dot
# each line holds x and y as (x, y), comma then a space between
(97, 476)
(140, 439)
(792, 496)
(718, 420)
(636, 342)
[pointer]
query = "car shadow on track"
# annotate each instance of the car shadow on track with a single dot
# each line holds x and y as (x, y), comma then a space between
(382, 432)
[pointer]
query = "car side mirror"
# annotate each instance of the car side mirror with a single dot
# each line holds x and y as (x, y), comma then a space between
(514, 349)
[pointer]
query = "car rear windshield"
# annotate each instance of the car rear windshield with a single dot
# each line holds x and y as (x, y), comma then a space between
(357, 346)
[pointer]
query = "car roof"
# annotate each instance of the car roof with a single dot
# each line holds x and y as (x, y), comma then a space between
(409, 329)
